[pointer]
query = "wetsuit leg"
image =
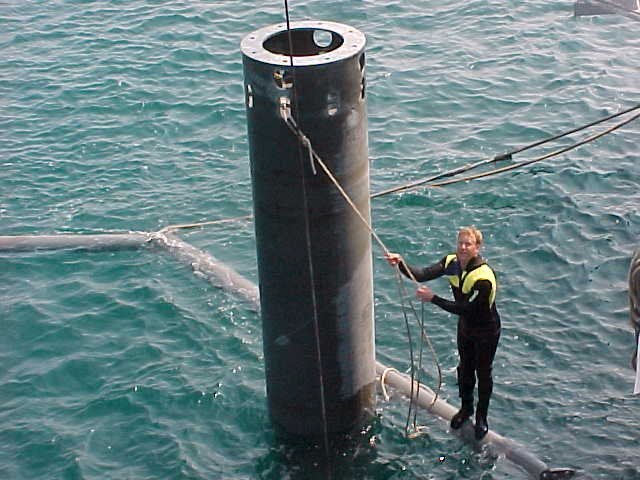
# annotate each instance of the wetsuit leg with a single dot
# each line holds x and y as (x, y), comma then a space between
(466, 380)
(486, 347)
(467, 366)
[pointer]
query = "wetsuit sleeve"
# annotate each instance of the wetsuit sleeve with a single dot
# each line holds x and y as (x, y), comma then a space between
(472, 308)
(423, 274)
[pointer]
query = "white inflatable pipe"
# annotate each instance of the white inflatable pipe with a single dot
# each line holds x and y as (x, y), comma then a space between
(111, 241)
(204, 264)
(634, 311)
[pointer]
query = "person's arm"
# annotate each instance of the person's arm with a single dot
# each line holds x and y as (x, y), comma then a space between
(420, 274)
(472, 308)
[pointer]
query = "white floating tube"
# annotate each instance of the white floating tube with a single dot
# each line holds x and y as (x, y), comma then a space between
(111, 241)
(636, 388)
(202, 263)
(634, 312)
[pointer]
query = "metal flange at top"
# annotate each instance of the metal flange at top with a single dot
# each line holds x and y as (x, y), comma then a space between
(331, 42)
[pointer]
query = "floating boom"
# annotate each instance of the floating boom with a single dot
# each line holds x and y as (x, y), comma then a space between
(111, 241)
(634, 313)
(216, 272)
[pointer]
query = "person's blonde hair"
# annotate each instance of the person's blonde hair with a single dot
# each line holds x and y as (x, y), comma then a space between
(474, 232)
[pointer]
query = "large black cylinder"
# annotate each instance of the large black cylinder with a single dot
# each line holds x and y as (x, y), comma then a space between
(314, 253)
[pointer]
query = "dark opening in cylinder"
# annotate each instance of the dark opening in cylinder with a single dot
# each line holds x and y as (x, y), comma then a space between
(314, 253)
(304, 42)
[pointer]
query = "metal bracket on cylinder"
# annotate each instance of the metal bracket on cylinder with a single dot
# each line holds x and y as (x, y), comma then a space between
(285, 108)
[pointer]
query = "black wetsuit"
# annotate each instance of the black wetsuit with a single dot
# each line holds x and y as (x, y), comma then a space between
(478, 328)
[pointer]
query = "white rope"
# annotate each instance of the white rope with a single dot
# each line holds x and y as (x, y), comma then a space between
(170, 228)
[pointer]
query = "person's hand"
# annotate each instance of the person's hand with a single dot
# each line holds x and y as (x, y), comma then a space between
(393, 258)
(424, 293)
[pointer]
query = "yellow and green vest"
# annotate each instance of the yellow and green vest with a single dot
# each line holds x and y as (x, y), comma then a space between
(483, 272)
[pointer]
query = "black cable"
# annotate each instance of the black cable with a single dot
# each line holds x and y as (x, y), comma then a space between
(316, 328)
(498, 158)
(421, 325)
(403, 293)
(535, 160)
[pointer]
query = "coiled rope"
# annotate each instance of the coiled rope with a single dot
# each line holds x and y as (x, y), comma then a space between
(415, 379)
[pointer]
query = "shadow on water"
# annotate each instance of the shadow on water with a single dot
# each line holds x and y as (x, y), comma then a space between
(351, 455)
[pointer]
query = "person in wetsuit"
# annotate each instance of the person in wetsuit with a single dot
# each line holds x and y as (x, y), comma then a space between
(474, 288)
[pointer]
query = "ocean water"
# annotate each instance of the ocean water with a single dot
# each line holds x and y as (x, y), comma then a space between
(120, 116)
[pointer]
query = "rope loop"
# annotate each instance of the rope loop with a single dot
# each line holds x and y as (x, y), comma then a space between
(382, 380)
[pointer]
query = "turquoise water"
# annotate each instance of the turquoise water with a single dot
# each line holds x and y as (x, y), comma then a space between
(119, 116)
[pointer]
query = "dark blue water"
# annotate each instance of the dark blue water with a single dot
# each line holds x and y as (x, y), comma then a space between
(120, 116)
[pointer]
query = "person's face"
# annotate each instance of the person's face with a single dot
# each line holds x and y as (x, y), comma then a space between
(467, 248)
